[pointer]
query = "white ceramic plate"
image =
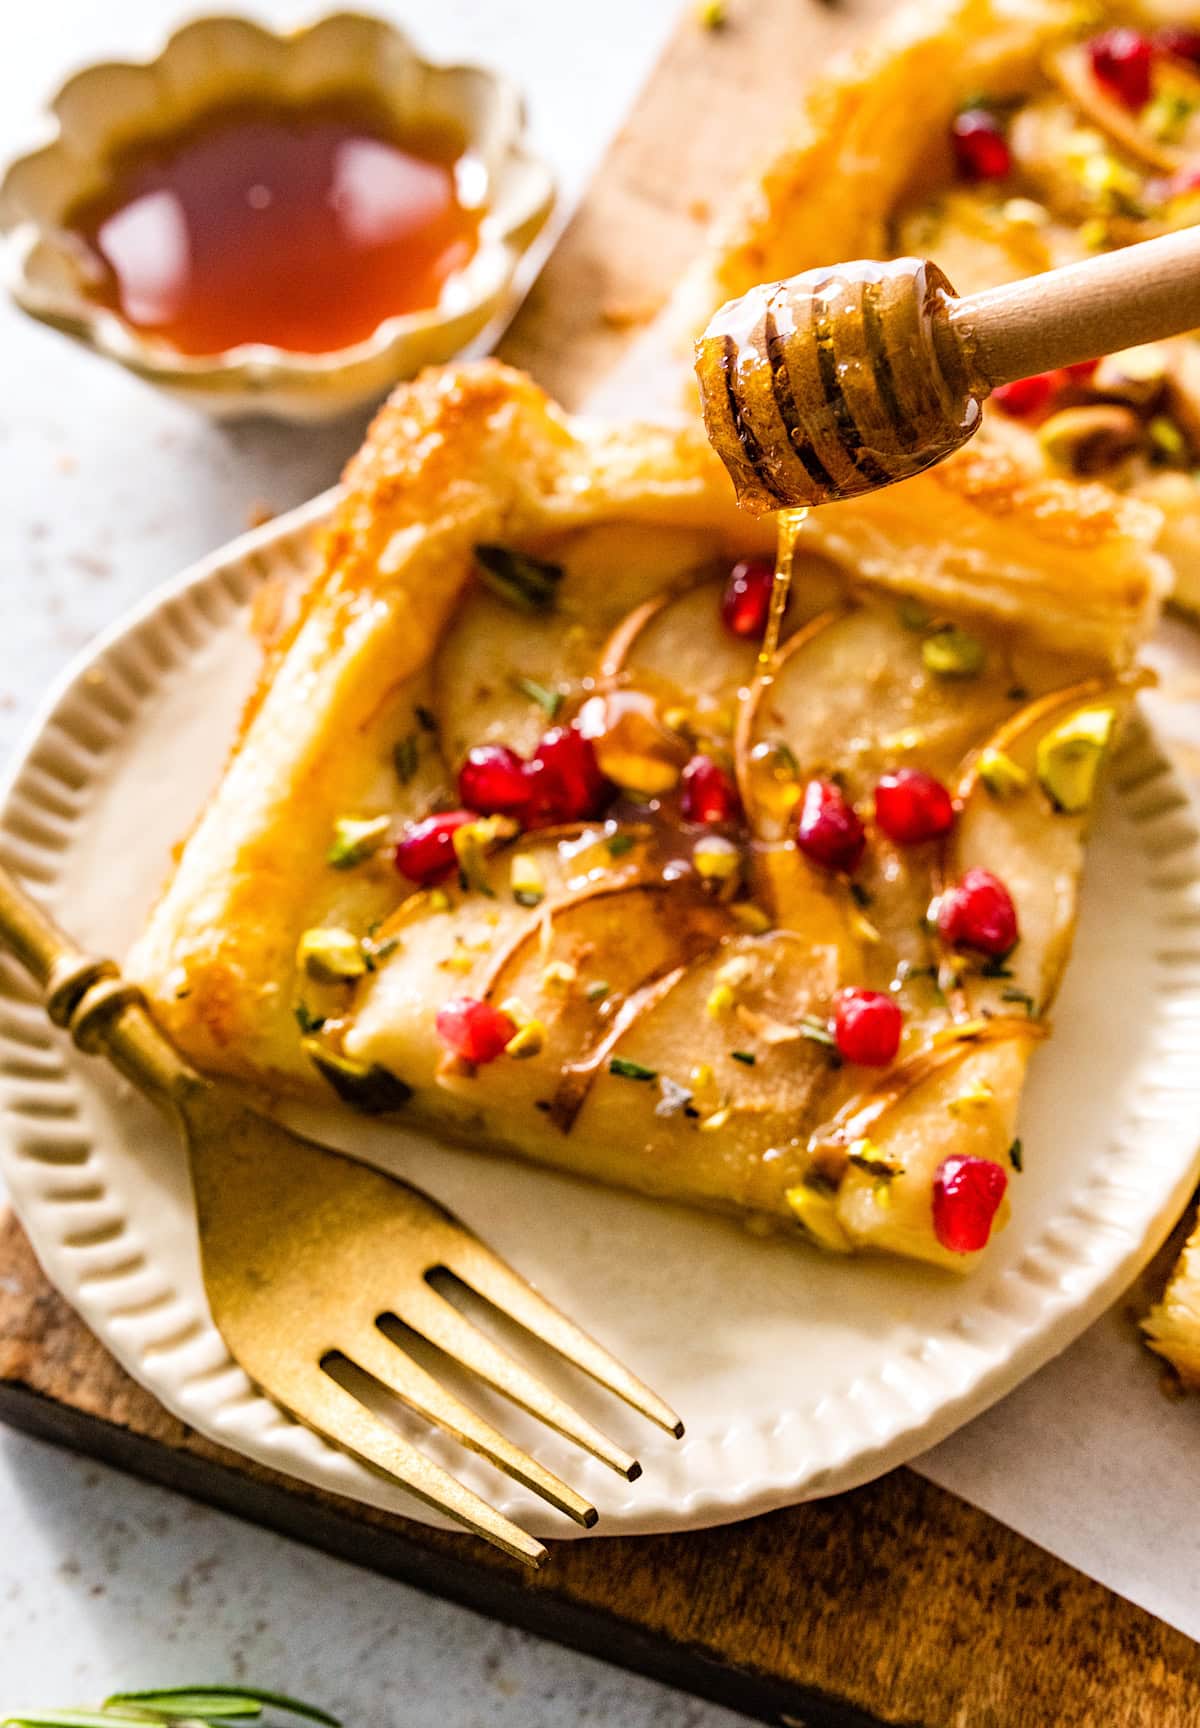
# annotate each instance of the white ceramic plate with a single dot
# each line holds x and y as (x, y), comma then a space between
(796, 1374)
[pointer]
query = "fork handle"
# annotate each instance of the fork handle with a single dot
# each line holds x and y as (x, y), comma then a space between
(88, 997)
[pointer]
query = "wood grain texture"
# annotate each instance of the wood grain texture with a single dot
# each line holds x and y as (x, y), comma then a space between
(896, 1604)
(893, 1605)
(718, 102)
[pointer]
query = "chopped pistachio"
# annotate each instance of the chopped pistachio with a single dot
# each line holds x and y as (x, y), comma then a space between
(976, 1097)
(1092, 439)
(720, 1001)
(951, 652)
(718, 1119)
(439, 900)
(717, 859)
(1166, 117)
(816, 1031)
(704, 1087)
(1003, 777)
(1016, 1155)
(559, 975)
(1134, 376)
(678, 719)
(549, 701)
(957, 1031)
(1094, 234)
(816, 1210)
(1025, 213)
(526, 880)
(331, 956)
(460, 958)
(474, 842)
(624, 1069)
(1069, 757)
(528, 1040)
(618, 844)
(373, 1089)
(307, 1021)
(526, 582)
(907, 738)
(1168, 441)
(749, 917)
(713, 14)
(863, 927)
(355, 839)
(598, 991)
(735, 970)
(864, 1154)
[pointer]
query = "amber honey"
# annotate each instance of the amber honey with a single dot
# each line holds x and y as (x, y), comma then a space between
(299, 226)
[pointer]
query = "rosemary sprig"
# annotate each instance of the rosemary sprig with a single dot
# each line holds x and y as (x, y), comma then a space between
(183, 1706)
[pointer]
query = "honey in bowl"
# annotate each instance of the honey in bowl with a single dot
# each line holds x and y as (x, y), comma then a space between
(301, 226)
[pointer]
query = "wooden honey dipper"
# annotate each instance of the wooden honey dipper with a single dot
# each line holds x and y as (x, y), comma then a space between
(844, 379)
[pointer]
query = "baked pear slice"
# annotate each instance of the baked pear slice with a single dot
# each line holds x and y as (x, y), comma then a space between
(500, 666)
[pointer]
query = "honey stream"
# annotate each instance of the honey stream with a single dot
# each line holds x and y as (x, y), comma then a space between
(789, 524)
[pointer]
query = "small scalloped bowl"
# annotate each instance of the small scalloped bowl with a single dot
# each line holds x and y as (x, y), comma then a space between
(212, 60)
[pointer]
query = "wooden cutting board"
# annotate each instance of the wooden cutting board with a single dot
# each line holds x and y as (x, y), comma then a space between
(896, 1604)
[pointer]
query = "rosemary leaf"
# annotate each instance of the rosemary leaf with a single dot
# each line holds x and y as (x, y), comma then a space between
(220, 1702)
(627, 1070)
(526, 582)
(549, 701)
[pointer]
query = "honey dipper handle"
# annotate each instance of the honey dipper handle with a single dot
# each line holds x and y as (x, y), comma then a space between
(1139, 294)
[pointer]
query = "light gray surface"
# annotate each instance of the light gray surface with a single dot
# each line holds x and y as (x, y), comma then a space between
(105, 490)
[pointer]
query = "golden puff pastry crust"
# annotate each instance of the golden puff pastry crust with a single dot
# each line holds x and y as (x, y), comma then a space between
(870, 172)
(672, 984)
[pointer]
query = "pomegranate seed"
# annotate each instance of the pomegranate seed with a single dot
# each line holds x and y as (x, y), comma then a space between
(709, 793)
(1121, 61)
(966, 1197)
(911, 806)
(1179, 42)
(473, 1029)
(867, 1026)
(1025, 397)
(980, 148)
(425, 851)
(747, 597)
(1184, 180)
(828, 829)
(565, 781)
(1080, 373)
(495, 781)
(978, 913)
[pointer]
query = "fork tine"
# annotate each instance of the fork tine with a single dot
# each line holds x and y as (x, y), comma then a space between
(491, 1277)
(440, 1323)
(420, 1391)
(319, 1401)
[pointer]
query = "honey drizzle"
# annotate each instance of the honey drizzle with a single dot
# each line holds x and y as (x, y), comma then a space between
(789, 524)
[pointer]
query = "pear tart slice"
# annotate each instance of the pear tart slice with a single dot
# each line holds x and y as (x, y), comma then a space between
(519, 846)
(1001, 139)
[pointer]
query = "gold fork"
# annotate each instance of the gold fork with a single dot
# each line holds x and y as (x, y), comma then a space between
(304, 1252)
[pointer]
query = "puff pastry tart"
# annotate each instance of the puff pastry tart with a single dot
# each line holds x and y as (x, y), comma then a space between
(1001, 138)
(517, 846)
